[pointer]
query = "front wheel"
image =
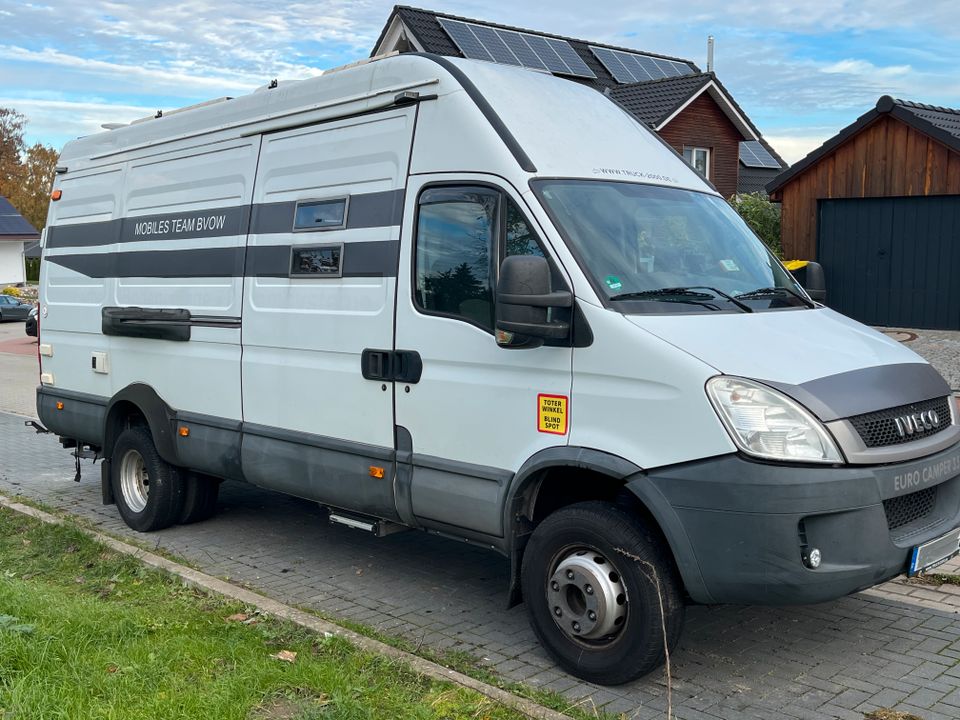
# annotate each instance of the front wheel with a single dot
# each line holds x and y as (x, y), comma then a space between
(148, 490)
(601, 589)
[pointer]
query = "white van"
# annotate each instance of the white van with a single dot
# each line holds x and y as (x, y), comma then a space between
(486, 303)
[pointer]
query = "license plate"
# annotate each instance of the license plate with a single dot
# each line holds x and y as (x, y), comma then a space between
(935, 552)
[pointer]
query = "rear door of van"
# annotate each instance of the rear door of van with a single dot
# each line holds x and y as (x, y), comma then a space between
(321, 274)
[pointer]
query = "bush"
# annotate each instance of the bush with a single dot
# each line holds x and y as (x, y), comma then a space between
(762, 216)
(11, 291)
(33, 269)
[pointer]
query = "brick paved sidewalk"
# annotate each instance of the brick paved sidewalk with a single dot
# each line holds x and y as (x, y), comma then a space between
(893, 646)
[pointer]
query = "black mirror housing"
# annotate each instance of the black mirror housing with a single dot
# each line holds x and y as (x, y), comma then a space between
(524, 297)
(811, 279)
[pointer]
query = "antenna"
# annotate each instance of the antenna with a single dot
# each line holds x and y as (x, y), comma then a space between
(710, 53)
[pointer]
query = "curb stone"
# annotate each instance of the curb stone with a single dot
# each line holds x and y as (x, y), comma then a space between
(277, 609)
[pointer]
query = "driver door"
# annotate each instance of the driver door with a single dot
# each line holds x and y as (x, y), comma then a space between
(475, 415)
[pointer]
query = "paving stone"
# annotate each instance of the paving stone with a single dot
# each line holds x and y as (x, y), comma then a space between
(873, 649)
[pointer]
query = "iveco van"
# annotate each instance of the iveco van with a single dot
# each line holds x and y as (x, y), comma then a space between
(484, 302)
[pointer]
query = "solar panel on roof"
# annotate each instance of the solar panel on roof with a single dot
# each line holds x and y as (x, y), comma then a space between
(641, 71)
(546, 53)
(668, 68)
(627, 67)
(463, 36)
(613, 65)
(754, 154)
(494, 45)
(516, 43)
(566, 52)
(482, 42)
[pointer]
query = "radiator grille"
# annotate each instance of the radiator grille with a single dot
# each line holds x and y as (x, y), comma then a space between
(907, 509)
(879, 429)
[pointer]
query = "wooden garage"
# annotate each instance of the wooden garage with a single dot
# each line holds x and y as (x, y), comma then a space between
(878, 205)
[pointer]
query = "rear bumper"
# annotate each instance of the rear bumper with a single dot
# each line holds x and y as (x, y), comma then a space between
(739, 528)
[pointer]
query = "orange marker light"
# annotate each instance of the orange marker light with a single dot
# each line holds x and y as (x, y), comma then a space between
(184, 432)
(56, 195)
(376, 472)
(59, 405)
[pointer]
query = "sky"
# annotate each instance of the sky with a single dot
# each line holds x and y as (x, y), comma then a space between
(801, 71)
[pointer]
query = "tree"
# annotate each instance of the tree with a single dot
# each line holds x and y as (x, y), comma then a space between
(26, 174)
(762, 216)
(31, 197)
(11, 148)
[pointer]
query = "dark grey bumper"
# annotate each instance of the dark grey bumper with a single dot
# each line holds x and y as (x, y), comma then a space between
(738, 528)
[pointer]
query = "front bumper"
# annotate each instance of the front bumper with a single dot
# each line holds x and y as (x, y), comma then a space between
(739, 528)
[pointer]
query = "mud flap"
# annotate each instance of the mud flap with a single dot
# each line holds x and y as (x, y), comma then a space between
(106, 489)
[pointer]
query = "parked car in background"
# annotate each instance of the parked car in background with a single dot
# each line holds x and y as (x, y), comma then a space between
(12, 308)
(31, 327)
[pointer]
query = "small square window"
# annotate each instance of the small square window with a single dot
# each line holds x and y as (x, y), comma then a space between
(321, 214)
(699, 158)
(316, 261)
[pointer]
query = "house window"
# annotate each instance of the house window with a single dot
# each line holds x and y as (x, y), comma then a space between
(699, 158)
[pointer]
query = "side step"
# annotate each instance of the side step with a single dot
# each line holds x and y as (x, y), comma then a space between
(378, 527)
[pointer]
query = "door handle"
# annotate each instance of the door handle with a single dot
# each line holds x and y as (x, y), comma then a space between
(391, 365)
(407, 366)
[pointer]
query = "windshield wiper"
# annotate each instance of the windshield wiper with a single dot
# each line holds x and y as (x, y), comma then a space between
(677, 295)
(682, 292)
(760, 292)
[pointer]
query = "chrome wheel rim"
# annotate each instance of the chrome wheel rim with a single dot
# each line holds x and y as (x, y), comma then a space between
(586, 596)
(134, 481)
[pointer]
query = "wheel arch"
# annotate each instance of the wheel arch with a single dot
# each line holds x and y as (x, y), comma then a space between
(140, 400)
(611, 478)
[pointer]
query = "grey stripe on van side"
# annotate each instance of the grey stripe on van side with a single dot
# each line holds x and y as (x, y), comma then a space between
(360, 259)
(216, 222)
(367, 210)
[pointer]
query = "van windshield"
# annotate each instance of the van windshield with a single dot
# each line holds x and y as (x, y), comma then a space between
(654, 249)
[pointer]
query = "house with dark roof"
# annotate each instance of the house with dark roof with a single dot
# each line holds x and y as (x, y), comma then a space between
(690, 109)
(878, 205)
(15, 234)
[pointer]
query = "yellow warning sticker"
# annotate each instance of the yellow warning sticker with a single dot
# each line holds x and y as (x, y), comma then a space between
(552, 414)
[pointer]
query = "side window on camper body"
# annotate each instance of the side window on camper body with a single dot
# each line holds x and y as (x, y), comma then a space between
(463, 233)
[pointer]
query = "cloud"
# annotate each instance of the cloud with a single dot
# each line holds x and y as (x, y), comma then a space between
(796, 147)
(54, 122)
(796, 72)
(851, 66)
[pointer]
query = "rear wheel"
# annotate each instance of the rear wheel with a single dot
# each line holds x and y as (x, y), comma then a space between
(148, 490)
(601, 589)
(200, 498)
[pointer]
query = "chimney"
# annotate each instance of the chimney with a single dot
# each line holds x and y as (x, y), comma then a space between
(710, 53)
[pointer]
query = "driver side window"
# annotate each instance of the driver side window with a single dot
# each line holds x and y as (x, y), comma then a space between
(463, 233)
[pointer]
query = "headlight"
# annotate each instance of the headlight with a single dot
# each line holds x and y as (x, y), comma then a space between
(767, 424)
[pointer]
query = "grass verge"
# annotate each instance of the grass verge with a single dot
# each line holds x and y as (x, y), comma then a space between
(87, 633)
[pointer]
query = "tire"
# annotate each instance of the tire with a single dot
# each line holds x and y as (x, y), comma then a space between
(623, 639)
(200, 498)
(149, 491)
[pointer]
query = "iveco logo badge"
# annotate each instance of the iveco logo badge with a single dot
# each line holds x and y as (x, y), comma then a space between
(917, 423)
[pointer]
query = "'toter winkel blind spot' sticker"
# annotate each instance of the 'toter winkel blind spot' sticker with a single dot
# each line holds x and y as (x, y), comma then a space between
(552, 414)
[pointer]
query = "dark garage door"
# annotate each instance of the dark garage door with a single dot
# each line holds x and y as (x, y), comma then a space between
(893, 261)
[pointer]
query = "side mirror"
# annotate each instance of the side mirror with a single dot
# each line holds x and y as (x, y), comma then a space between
(524, 297)
(811, 279)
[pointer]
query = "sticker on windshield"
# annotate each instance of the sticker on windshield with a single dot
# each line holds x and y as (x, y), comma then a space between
(729, 265)
(552, 414)
(613, 282)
